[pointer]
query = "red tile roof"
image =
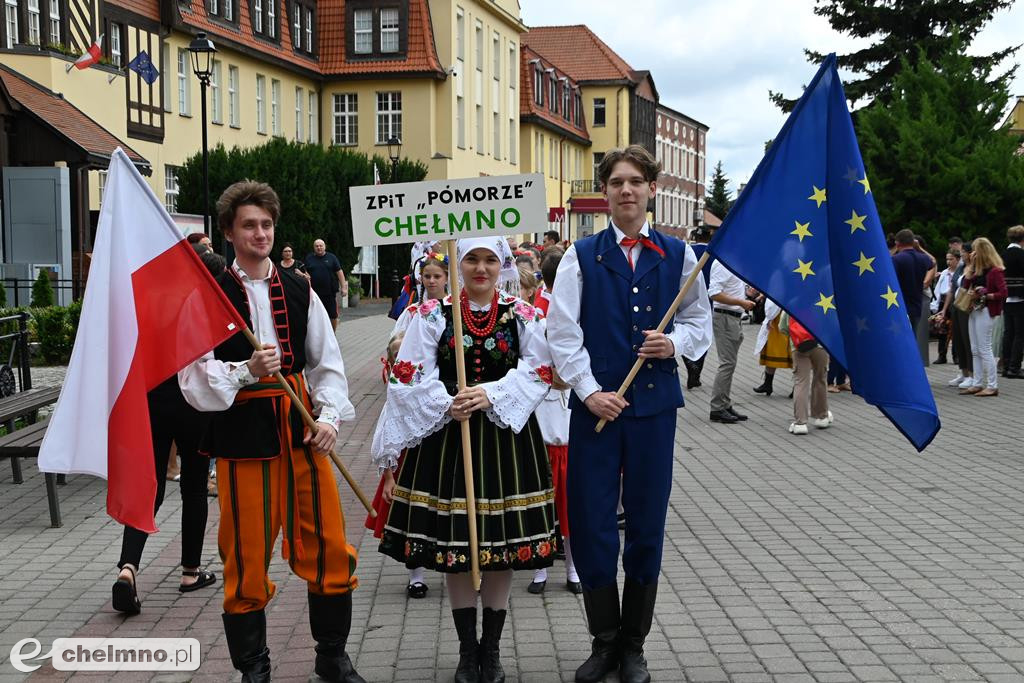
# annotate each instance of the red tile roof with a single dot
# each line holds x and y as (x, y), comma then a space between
(528, 107)
(64, 118)
(421, 55)
(580, 52)
(146, 8)
(420, 58)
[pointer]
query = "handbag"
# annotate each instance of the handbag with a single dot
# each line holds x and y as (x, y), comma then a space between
(963, 300)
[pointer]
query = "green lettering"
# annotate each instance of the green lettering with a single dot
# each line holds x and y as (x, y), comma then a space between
(377, 228)
(437, 225)
(485, 218)
(400, 226)
(457, 225)
(421, 224)
(514, 221)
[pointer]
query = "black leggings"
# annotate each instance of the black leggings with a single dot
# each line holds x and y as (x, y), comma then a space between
(173, 420)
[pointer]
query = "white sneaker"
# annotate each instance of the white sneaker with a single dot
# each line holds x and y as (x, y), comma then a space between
(795, 428)
(824, 422)
(955, 382)
(968, 382)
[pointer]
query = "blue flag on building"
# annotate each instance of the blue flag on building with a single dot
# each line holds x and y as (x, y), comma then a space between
(805, 231)
(143, 66)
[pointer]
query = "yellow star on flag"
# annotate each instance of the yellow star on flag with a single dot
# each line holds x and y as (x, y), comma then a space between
(802, 230)
(864, 263)
(818, 196)
(804, 269)
(890, 298)
(825, 302)
(856, 222)
(867, 186)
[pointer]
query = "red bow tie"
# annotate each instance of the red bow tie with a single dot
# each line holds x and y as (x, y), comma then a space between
(630, 242)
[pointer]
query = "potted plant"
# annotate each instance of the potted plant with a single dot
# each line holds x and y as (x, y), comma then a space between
(355, 290)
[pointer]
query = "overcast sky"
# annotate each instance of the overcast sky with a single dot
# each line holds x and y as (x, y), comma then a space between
(716, 60)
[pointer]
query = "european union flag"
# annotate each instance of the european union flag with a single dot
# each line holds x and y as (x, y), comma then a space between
(143, 66)
(805, 232)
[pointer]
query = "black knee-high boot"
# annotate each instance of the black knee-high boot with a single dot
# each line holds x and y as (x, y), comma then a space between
(602, 607)
(490, 635)
(637, 612)
(330, 619)
(468, 670)
(247, 643)
(766, 385)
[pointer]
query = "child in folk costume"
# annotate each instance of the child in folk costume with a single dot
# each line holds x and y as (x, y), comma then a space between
(508, 370)
(553, 417)
(431, 273)
(771, 348)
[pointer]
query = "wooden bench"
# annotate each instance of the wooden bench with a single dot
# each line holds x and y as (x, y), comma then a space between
(25, 442)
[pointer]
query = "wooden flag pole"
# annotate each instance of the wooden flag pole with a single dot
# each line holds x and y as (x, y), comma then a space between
(311, 423)
(669, 314)
(467, 443)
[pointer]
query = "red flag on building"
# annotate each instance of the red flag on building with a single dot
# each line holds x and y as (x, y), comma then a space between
(90, 56)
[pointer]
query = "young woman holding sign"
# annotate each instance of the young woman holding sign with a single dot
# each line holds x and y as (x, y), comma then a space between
(509, 373)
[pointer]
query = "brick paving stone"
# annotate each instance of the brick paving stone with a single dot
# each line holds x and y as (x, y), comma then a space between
(839, 556)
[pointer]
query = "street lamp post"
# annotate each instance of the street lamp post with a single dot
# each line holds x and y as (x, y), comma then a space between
(394, 153)
(202, 50)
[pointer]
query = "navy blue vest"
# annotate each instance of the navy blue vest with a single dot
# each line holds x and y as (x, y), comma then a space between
(617, 305)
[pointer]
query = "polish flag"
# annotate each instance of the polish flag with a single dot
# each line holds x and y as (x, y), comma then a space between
(90, 56)
(150, 309)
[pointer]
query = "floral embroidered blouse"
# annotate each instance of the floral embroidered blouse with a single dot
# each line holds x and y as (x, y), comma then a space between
(512, 364)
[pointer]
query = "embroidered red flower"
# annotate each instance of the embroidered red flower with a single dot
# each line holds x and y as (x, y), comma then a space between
(544, 549)
(544, 373)
(503, 346)
(450, 559)
(403, 371)
(408, 549)
(451, 343)
(525, 554)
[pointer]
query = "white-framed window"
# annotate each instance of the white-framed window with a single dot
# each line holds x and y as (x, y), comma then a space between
(54, 21)
(233, 119)
(313, 127)
(11, 18)
(512, 65)
(460, 34)
(513, 152)
(184, 92)
(116, 54)
(229, 10)
(496, 56)
(171, 188)
(275, 106)
(216, 92)
(478, 47)
(271, 18)
(538, 85)
(553, 166)
(212, 7)
(479, 122)
(297, 25)
(599, 111)
(389, 116)
(389, 30)
(346, 119)
(166, 83)
(460, 121)
(34, 23)
(101, 177)
(363, 19)
(261, 104)
(300, 116)
(496, 124)
(257, 15)
(309, 30)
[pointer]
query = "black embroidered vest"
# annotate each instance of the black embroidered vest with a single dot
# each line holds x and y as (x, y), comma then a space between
(487, 358)
(249, 430)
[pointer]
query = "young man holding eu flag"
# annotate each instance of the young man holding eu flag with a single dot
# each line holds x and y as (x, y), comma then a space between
(610, 292)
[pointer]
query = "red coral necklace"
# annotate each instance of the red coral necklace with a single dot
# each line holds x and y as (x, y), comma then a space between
(489, 320)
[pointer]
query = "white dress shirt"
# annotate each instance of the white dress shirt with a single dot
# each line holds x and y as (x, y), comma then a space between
(724, 282)
(211, 385)
(1014, 299)
(691, 332)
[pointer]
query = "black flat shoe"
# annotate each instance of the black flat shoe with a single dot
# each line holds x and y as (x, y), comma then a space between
(417, 590)
(123, 596)
(739, 416)
(574, 587)
(723, 416)
(203, 579)
(536, 587)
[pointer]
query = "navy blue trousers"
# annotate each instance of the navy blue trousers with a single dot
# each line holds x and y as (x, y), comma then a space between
(639, 451)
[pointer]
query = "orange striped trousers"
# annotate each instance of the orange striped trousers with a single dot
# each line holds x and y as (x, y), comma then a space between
(294, 492)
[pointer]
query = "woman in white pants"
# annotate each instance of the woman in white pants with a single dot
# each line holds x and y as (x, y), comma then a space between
(984, 277)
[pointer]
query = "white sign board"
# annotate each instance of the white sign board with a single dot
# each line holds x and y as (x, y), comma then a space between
(447, 209)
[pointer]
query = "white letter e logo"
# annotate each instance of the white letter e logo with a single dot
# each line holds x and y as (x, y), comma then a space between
(18, 658)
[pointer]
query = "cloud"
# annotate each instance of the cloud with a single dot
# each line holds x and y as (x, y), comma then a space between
(716, 61)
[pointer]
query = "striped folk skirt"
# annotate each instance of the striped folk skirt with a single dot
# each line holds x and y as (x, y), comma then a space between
(428, 526)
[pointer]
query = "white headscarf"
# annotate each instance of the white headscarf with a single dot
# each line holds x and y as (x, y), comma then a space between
(497, 246)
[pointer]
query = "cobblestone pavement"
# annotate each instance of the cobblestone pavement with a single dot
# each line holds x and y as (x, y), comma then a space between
(838, 556)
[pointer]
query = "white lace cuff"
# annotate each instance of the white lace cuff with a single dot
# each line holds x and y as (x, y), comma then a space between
(513, 399)
(409, 416)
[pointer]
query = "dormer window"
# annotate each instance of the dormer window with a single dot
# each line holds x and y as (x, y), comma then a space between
(264, 18)
(376, 29)
(302, 26)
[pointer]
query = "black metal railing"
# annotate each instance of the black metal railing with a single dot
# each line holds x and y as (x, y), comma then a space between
(17, 288)
(16, 350)
(586, 187)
